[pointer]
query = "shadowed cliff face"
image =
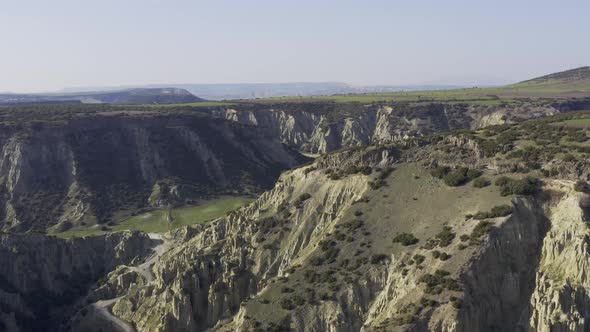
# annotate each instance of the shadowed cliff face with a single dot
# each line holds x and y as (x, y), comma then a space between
(93, 167)
(41, 277)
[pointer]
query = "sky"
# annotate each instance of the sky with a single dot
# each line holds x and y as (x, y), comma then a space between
(48, 45)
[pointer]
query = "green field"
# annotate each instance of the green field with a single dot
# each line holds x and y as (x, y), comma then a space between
(204, 213)
(197, 104)
(549, 89)
(568, 84)
(160, 221)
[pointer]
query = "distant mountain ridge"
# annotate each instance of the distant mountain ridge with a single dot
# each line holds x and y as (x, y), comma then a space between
(268, 90)
(127, 96)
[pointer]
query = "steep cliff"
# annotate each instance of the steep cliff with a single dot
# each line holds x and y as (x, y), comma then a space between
(324, 127)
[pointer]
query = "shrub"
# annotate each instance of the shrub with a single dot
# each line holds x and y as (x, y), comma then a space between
(568, 158)
(444, 256)
(419, 259)
(502, 181)
(524, 186)
(427, 302)
(445, 237)
(303, 197)
(473, 173)
(316, 261)
(378, 183)
(481, 183)
(298, 300)
(455, 179)
(440, 172)
(287, 290)
(406, 239)
(378, 259)
(458, 176)
(497, 211)
(482, 228)
(456, 302)
(437, 281)
(581, 186)
(287, 304)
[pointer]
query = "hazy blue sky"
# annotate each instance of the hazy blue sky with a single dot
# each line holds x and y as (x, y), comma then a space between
(48, 45)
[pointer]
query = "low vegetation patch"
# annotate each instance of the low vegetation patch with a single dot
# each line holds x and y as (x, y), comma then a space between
(445, 237)
(406, 239)
(524, 186)
(456, 177)
(439, 281)
(481, 182)
(482, 228)
(497, 211)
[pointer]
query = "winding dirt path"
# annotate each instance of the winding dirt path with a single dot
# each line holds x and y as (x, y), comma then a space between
(102, 308)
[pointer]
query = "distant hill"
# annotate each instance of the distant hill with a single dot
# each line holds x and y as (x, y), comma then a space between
(128, 96)
(565, 84)
(582, 73)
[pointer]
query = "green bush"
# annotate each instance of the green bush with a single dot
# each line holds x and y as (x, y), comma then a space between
(481, 182)
(455, 179)
(287, 304)
(568, 158)
(406, 239)
(298, 300)
(473, 173)
(524, 186)
(445, 236)
(497, 211)
(419, 259)
(440, 172)
(482, 228)
(378, 259)
(378, 183)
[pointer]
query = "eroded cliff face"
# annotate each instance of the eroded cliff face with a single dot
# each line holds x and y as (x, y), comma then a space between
(317, 130)
(85, 170)
(41, 277)
(560, 301)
